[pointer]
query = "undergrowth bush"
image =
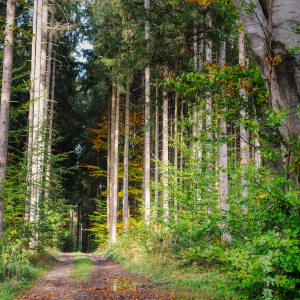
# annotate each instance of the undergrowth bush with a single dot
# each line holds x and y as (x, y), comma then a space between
(262, 261)
(18, 268)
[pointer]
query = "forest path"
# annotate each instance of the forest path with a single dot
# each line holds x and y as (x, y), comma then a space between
(108, 280)
(57, 284)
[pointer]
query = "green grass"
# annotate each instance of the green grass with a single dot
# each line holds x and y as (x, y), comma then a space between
(25, 275)
(155, 260)
(82, 268)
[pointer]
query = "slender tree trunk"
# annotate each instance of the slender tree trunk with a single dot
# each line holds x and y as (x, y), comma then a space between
(195, 47)
(50, 113)
(49, 58)
(181, 153)
(37, 112)
(223, 158)
(244, 137)
(108, 185)
(78, 228)
(113, 168)
(39, 157)
(195, 127)
(147, 129)
(257, 154)
(165, 157)
(209, 99)
(200, 59)
(49, 145)
(176, 151)
(126, 159)
(31, 114)
(156, 175)
(5, 101)
(43, 91)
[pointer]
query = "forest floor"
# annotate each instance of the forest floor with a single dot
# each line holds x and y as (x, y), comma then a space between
(108, 280)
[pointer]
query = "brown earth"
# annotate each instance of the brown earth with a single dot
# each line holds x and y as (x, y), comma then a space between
(108, 280)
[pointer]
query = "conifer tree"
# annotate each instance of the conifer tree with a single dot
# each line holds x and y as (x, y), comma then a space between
(147, 126)
(5, 101)
(244, 136)
(223, 155)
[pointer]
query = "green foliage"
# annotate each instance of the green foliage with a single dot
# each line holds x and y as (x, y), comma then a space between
(294, 50)
(262, 260)
(19, 268)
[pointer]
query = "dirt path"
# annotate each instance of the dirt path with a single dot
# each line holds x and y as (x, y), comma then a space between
(57, 284)
(108, 280)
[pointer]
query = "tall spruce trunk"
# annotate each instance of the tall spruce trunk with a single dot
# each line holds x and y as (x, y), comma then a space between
(181, 163)
(223, 159)
(197, 122)
(244, 136)
(5, 101)
(31, 114)
(147, 146)
(195, 46)
(156, 172)
(49, 60)
(176, 151)
(51, 66)
(113, 170)
(165, 155)
(50, 134)
(35, 147)
(195, 113)
(208, 49)
(126, 159)
(108, 184)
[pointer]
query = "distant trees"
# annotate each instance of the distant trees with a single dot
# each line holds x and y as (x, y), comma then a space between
(166, 51)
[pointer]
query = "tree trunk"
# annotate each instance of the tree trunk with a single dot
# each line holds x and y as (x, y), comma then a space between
(108, 184)
(244, 136)
(223, 159)
(116, 166)
(200, 59)
(78, 229)
(49, 58)
(195, 45)
(37, 112)
(5, 101)
(31, 114)
(50, 113)
(165, 148)
(209, 99)
(181, 153)
(113, 167)
(257, 154)
(126, 159)
(156, 174)
(269, 31)
(176, 151)
(147, 129)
